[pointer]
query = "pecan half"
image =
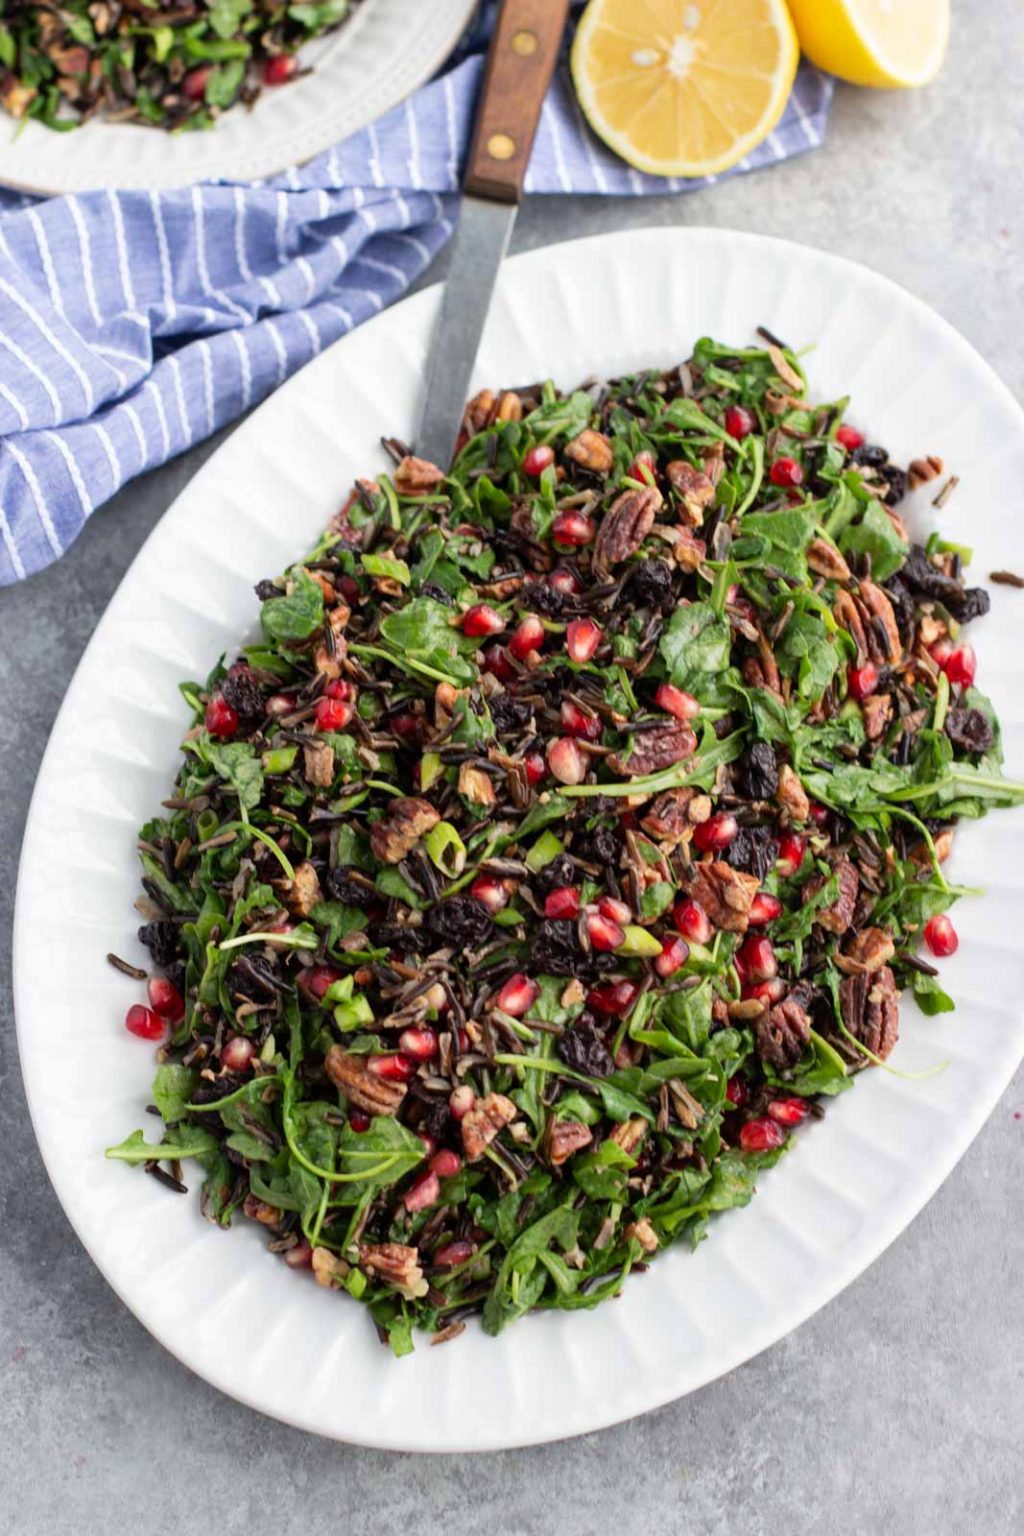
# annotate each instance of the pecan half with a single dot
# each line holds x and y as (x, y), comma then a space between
(781, 1034)
(592, 450)
(485, 1120)
(694, 488)
(791, 795)
(328, 1269)
(881, 621)
(259, 1210)
(396, 1265)
(351, 1075)
(302, 894)
(825, 560)
(920, 471)
(669, 818)
(653, 750)
(318, 763)
(849, 616)
(877, 712)
(415, 477)
(565, 1137)
(838, 916)
(626, 524)
(870, 1007)
(725, 894)
(629, 1135)
(867, 951)
(400, 828)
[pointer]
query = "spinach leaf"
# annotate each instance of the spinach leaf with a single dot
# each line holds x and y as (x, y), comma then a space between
(296, 616)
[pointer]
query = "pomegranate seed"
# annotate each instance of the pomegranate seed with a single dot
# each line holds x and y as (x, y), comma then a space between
(764, 908)
(563, 902)
(536, 460)
(675, 954)
(348, 587)
(792, 848)
(536, 767)
(317, 979)
(410, 727)
(193, 86)
(394, 1069)
(420, 1043)
(481, 620)
(739, 423)
(612, 998)
(862, 681)
(451, 1254)
(221, 719)
(279, 69)
(940, 936)
(144, 1023)
(165, 999)
(281, 704)
(426, 1191)
(582, 639)
(496, 662)
(604, 933)
(819, 813)
(566, 761)
(359, 1120)
(767, 992)
(340, 689)
(850, 438)
(299, 1257)
(789, 1111)
(493, 893)
(642, 467)
(332, 714)
(461, 1101)
(675, 701)
(736, 1091)
(940, 652)
(518, 995)
(528, 636)
(693, 922)
(755, 959)
(236, 1054)
(573, 528)
(576, 723)
(445, 1164)
(761, 1136)
(961, 665)
(561, 579)
(786, 472)
(716, 833)
(615, 911)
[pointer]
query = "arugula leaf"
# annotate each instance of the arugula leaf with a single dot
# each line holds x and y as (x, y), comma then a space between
(186, 1141)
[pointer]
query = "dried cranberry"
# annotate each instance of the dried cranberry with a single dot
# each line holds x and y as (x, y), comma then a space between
(583, 1048)
(460, 920)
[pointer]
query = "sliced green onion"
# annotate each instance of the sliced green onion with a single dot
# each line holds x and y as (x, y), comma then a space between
(445, 849)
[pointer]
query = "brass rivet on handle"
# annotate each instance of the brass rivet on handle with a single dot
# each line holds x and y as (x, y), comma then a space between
(500, 146)
(524, 43)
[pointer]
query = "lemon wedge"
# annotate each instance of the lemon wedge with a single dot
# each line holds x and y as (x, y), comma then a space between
(684, 87)
(875, 42)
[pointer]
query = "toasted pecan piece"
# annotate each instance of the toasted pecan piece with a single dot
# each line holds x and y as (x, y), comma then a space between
(725, 894)
(650, 751)
(625, 525)
(694, 488)
(870, 1006)
(351, 1075)
(405, 821)
(791, 795)
(644, 1234)
(838, 915)
(629, 1134)
(318, 763)
(782, 1033)
(416, 477)
(302, 894)
(563, 1138)
(591, 450)
(396, 1265)
(867, 951)
(485, 1121)
(328, 1269)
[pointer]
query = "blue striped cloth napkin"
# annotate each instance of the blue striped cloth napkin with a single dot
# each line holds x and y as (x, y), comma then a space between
(134, 324)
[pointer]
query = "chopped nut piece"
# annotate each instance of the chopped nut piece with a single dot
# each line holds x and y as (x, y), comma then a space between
(747, 1008)
(259, 1210)
(650, 751)
(791, 795)
(574, 993)
(328, 1269)
(592, 450)
(398, 831)
(838, 916)
(629, 1135)
(476, 786)
(302, 894)
(351, 1075)
(669, 817)
(563, 1138)
(920, 471)
(866, 952)
(875, 603)
(877, 712)
(871, 1010)
(318, 763)
(695, 489)
(725, 894)
(396, 1265)
(644, 1234)
(416, 477)
(327, 658)
(484, 1122)
(849, 616)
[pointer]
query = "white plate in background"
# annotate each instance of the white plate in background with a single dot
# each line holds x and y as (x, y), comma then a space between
(373, 61)
(218, 1300)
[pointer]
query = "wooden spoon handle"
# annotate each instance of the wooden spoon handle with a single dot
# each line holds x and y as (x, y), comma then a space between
(520, 63)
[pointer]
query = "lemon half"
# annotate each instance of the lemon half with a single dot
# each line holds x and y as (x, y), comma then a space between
(684, 87)
(875, 42)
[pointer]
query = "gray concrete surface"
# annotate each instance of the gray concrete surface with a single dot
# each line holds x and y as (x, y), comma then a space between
(900, 1407)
